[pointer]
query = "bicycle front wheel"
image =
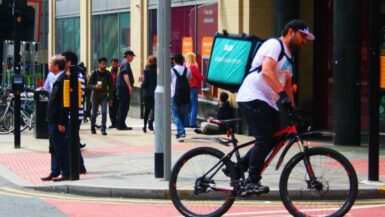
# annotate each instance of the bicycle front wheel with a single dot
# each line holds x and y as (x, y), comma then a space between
(200, 188)
(332, 192)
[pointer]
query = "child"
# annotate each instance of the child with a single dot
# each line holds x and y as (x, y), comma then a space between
(224, 111)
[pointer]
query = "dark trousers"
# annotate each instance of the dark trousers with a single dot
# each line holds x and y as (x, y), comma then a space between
(60, 150)
(55, 169)
(124, 107)
(149, 103)
(103, 101)
(263, 122)
(113, 110)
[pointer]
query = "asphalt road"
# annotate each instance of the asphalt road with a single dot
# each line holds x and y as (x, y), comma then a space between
(16, 202)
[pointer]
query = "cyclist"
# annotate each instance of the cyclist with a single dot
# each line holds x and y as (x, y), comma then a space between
(263, 89)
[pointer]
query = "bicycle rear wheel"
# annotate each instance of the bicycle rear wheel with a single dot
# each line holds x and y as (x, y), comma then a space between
(194, 194)
(8, 123)
(333, 192)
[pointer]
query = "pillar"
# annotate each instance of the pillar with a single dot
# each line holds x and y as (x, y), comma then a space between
(346, 72)
(85, 34)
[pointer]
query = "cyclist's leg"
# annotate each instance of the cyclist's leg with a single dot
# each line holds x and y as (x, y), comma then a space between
(261, 120)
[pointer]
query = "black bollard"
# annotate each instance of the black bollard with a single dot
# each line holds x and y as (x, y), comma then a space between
(74, 131)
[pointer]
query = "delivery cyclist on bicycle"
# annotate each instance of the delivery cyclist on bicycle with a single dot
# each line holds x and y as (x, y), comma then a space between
(268, 85)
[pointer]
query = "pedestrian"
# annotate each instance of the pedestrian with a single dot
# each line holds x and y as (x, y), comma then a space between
(148, 88)
(125, 85)
(101, 84)
(224, 112)
(179, 73)
(113, 108)
(51, 77)
(72, 59)
(267, 90)
(195, 85)
(57, 117)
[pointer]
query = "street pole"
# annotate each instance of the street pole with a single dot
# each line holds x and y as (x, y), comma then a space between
(162, 94)
(374, 89)
(17, 88)
(74, 119)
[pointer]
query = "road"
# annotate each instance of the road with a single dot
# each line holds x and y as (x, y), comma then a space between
(15, 202)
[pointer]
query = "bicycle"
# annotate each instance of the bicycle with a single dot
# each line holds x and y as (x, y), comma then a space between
(7, 114)
(316, 181)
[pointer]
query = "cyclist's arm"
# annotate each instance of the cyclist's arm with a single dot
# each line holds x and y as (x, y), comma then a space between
(268, 72)
(289, 90)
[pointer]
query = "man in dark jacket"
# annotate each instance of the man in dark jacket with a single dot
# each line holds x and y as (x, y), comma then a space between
(224, 111)
(101, 84)
(113, 109)
(58, 123)
(125, 85)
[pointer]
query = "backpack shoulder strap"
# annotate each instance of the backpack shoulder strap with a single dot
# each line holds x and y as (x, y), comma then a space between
(282, 53)
(176, 72)
(280, 56)
(185, 72)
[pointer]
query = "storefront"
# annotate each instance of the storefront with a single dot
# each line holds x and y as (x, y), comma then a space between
(193, 27)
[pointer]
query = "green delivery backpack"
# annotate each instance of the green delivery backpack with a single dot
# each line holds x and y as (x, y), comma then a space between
(230, 60)
(231, 57)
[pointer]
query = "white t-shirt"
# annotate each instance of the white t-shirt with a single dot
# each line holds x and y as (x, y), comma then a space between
(179, 69)
(254, 86)
(49, 81)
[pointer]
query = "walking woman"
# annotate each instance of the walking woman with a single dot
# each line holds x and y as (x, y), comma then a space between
(195, 85)
(148, 88)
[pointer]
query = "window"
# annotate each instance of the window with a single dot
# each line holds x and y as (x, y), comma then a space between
(110, 36)
(68, 35)
(195, 21)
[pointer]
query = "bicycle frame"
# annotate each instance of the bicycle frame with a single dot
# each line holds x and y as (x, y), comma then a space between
(287, 134)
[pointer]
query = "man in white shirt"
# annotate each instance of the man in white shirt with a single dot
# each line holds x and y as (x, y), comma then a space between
(266, 87)
(178, 110)
(51, 77)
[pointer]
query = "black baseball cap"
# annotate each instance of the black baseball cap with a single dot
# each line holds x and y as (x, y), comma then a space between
(129, 52)
(300, 26)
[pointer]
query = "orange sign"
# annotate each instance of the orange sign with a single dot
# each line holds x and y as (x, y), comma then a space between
(382, 72)
(187, 45)
(207, 44)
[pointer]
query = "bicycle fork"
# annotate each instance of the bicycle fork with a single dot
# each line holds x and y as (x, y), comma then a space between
(312, 183)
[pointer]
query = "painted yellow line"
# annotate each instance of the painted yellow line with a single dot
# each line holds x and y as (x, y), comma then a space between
(381, 191)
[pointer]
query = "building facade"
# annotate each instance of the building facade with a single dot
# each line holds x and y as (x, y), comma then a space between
(95, 28)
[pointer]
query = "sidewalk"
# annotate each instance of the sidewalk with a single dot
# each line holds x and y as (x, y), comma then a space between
(121, 164)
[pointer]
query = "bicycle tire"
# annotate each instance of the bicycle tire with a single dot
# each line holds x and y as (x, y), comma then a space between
(8, 124)
(336, 176)
(186, 201)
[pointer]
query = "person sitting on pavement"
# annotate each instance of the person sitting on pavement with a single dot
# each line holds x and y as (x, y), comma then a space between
(224, 111)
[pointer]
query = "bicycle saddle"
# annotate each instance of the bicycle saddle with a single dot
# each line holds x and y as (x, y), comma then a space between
(225, 123)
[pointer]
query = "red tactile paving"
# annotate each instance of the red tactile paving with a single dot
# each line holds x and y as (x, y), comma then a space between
(361, 165)
(29, 165)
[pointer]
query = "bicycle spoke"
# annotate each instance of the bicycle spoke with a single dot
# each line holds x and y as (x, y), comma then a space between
(332, 191)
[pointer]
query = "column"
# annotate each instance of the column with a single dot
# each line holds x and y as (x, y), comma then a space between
(346, 72)
(85, 33)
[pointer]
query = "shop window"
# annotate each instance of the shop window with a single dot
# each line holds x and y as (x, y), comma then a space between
(192, 27)
(110, 36)
(68, 35)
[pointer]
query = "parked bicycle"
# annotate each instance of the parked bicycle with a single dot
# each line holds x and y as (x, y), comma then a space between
(316, 181)
(7, 113)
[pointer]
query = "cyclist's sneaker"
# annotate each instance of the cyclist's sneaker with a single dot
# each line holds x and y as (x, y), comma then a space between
(255, 188)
